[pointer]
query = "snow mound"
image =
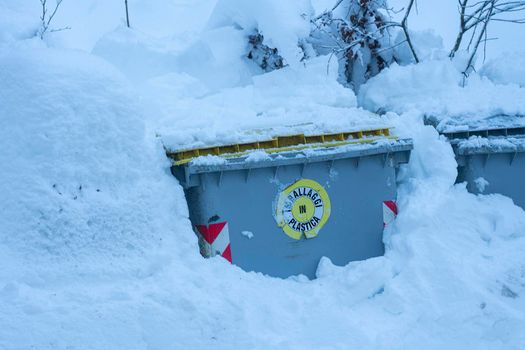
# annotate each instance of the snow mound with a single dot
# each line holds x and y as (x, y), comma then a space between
(18, 20)
(150, 57)
(92, 19)
(427, 43)
(508, 68)
(283, 23)
(83, 180)
(435, 88)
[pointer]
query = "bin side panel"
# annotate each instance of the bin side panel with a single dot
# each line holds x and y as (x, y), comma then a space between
(247, 201)
(504, 173)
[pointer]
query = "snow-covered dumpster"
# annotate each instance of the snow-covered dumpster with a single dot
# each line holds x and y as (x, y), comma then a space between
(490, 153)
(279, 209)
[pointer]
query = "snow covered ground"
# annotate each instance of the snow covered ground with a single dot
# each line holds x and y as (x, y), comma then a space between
(96, 249)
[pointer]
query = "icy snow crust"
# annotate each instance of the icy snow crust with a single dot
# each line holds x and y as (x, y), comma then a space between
(96, 248)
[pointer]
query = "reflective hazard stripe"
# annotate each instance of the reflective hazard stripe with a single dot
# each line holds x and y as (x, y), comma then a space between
(389, 212)
(214, 239)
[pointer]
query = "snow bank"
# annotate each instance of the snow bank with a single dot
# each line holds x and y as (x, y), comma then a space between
(83, 184)
(88, 203)
(435, 88)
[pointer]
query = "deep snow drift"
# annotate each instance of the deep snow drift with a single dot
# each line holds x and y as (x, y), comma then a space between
(96, 248)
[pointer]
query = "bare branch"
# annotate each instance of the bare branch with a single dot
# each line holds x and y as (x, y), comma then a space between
(127, 12)
(405, 30)
(475, 17)
(462, 24)
(487, 19)
(54, 12)
(47, 18)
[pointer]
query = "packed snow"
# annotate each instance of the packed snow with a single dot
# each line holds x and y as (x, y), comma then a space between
(97, 251)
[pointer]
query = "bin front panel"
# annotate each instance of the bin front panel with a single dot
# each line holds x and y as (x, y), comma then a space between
(247, 201)
(504, 172)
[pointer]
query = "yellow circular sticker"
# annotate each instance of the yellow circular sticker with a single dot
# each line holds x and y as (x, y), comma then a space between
(302, 209)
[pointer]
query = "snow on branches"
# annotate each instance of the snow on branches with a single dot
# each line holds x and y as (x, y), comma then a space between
(357, 32)
(266, 57)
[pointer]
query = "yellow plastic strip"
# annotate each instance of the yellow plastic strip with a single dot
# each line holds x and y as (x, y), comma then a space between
(278, 142)
(291, 148)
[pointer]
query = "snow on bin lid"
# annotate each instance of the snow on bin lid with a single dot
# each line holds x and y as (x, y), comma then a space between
(275, 144)
(484, 145)
(206, 131)
(302, 155)
(276, 133)
(462, 127)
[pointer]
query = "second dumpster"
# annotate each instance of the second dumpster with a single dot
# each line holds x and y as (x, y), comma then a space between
(280, 209)
(490, 152)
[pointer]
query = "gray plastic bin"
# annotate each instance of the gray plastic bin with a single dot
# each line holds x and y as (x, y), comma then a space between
(490, 153)
(280, 213)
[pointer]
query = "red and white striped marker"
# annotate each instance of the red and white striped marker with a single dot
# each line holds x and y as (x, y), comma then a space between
(389, 212)
(214, 239)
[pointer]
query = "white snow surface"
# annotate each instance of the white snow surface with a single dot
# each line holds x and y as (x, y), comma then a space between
(285, 102)
(437, 89)
(282, 23)
(228, 102)
(96, 248)
(508, 68)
